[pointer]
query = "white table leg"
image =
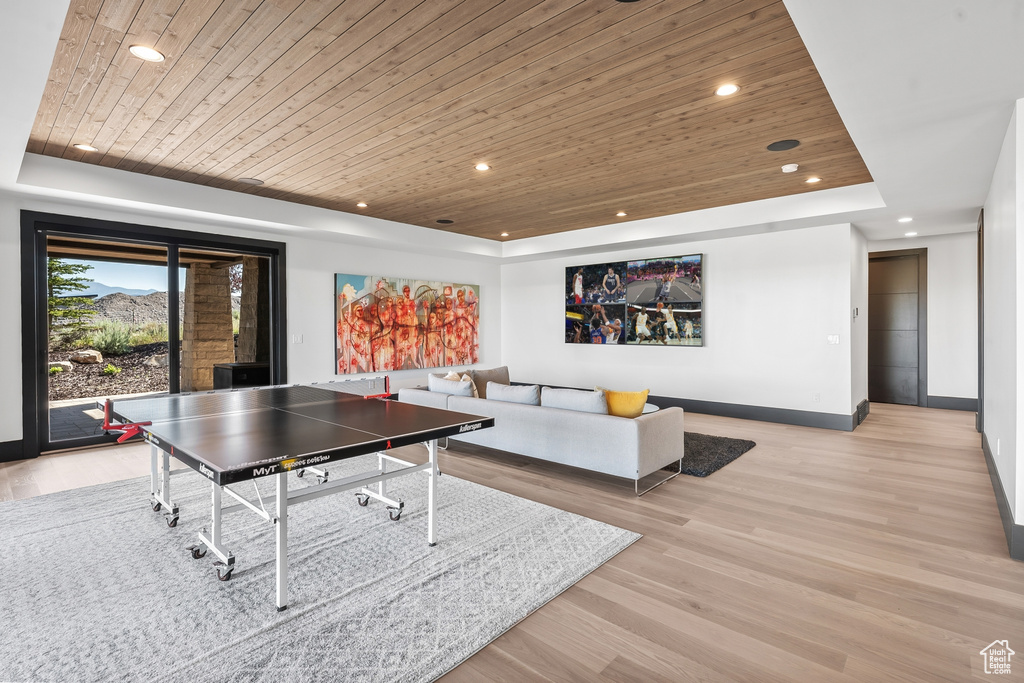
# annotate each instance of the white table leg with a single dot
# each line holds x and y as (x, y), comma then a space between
(282, 541)
(431, 493)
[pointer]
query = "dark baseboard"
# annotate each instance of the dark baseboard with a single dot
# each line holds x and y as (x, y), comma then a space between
(969, 405)
(12, 450)
(800, 418)
(1014, 532)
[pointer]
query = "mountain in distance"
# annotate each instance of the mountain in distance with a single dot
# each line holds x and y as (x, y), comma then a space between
(98, 289)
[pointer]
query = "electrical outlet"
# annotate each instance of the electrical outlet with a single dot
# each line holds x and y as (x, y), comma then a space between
(816, 397)
(833, 339)
(296, 339)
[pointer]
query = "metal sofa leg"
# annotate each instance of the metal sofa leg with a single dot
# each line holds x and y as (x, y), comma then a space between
(636, 482)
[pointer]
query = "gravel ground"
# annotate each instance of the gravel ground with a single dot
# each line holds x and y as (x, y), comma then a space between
(87, 381)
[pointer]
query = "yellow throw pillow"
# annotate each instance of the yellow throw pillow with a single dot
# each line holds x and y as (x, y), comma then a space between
(626, 403)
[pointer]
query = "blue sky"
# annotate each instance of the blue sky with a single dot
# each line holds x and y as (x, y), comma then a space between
(129, 275)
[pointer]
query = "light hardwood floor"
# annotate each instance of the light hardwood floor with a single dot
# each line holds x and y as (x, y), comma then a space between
(876, 555)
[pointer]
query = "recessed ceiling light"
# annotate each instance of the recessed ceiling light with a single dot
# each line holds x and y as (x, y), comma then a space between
(504, 234)
(813, 179)
(147, 53)
(483, 167)
(620, 214)
(445, 221)
(783, 145)
(361, 205)
(250, 181)
(85, 148)
(790, 168)
(727, 89)
(905, 219)
(910, 234)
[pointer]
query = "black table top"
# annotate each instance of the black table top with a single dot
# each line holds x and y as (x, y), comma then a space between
(241, 435)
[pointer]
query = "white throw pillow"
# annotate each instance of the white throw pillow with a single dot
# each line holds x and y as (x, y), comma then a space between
(453, 376)
(574, 399)
(447, 386)
(467, 378)
(526, 394)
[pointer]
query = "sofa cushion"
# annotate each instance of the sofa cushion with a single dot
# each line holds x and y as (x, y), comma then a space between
(447, 386)
(528, 395)
(482, 377)
(626, 403)
(574, 399)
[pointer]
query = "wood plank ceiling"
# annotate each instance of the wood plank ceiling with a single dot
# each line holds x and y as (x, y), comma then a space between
(582, 108)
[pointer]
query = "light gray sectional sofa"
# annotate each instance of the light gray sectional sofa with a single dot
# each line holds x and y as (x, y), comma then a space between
(632, 448)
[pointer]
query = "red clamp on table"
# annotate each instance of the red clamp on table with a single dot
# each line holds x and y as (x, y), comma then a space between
(130, 429)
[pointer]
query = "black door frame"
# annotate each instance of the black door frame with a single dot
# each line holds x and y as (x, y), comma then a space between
(922, 314)
(37, 226)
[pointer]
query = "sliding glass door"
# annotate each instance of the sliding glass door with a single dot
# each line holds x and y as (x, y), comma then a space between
(124, 310)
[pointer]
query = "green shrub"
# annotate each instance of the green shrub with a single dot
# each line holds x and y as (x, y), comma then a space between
(111, 370)
(112, 338)
(150, 333)
(56, 369)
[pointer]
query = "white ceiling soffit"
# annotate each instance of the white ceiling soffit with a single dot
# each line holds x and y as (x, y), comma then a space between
(926, 89)
(811, 209)
(69, 180)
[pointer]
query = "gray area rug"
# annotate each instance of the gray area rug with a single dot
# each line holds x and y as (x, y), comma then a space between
(96, 587)
(705, 454)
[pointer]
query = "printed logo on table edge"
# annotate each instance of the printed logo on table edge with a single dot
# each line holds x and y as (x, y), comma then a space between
(296, 463)
(997, 656)
(470, 428)
(203, 469)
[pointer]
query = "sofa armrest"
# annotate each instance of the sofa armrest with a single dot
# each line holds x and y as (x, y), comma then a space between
(422, 397)
(659, 439)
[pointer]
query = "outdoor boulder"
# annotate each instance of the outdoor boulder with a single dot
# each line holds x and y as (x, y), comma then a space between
(87, 356)
(157, 361)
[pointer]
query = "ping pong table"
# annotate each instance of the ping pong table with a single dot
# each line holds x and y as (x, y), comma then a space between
(238, 436)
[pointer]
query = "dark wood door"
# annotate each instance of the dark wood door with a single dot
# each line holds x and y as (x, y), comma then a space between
(894, 362)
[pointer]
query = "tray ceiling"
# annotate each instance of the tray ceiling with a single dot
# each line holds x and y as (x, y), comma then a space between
(582, 108)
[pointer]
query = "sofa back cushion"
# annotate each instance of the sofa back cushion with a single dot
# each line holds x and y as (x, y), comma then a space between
(626, 403)
(448, 386)
(574, 399)
(482, 377)
(528, 395)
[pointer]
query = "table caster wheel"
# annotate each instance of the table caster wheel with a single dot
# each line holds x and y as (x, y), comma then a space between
(156, 507)
(172, 522)
(362, 499)
(300, 474)
(198, 552)
(321, 480)
(226, 576)
(394, 514)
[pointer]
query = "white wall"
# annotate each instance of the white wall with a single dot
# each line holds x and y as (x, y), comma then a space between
(1003, 215)
(952, 310)
(310, 267)
(771, 300)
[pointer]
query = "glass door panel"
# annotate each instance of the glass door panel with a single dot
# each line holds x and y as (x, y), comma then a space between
(107, 331)
(226, 320)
